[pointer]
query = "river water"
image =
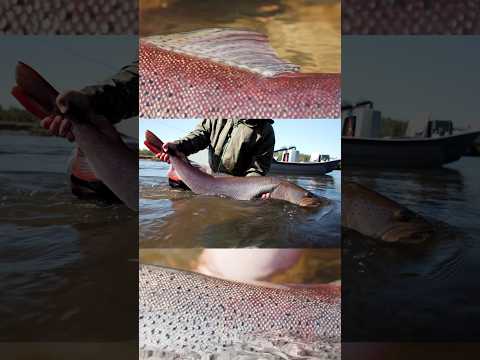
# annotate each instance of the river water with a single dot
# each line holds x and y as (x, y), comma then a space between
(424, 292)
(304, 32)
(172, 218)
(63, 262)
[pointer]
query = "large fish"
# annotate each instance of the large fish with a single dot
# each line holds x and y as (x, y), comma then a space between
(226, 73)
(379, 217)
(109, 159)
(402, 17)
(185, 312)
(235, 187)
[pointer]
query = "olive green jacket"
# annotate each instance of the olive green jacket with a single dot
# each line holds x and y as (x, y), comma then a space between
(117, 97)
(235, 147)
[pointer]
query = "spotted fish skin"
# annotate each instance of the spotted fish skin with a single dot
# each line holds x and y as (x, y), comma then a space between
(383, 17)
(184, 312)
(176, 85)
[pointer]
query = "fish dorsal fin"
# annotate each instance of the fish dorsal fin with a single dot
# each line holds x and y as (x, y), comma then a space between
(244, 49)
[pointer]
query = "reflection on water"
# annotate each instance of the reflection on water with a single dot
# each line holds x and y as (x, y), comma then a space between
(419, 288)
(305, 32)
(220, 222)
(62, 260)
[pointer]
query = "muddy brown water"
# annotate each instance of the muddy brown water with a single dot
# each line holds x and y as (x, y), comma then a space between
(429, 291)
(220, 222)
(305, 32)
(63, 262)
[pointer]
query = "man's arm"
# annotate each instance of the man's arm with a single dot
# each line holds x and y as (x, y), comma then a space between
(262, 159)
(198, 139)
(117, 97)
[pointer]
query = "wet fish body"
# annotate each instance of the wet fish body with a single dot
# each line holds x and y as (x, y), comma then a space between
(183, 312)
(239, 188)
(238, 76)
(379, 217)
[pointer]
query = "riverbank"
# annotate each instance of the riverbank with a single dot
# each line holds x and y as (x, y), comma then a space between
(22, 128)
(18, 121)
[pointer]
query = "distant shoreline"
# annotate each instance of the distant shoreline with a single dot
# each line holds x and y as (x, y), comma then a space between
(15, 119)
(22, 128)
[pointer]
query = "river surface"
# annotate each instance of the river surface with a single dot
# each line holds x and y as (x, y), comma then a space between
(304, 32)
(68, 268)
(171, 218)
(424, 292)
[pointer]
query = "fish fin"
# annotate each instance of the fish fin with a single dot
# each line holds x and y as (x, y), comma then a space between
(36, 87)
(153, 143)
(80, 167)
(28, 103)
(244, 49)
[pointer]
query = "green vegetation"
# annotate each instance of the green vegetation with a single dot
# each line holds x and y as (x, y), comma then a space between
(145, 154)
(14, 114)
(15, 119)
(392, 127)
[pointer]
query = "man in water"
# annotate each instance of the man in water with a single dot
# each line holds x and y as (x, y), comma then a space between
(235, 147)
(115, 99)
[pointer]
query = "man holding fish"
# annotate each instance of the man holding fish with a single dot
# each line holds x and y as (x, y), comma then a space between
(240, 147)
(114, 99)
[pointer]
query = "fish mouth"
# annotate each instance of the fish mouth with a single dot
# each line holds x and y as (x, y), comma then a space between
(311, 202)
(408, 233)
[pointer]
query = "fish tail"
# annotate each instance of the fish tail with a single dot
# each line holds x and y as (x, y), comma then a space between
(28, 103)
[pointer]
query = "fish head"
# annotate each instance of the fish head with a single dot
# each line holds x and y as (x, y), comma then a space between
(408, 227)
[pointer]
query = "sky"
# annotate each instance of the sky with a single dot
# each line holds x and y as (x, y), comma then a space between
(309, 136)
(406, 75)
(68, 62)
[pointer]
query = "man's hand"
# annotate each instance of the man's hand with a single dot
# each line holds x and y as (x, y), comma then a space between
(265, 196)
(59, 125)
(166, 147)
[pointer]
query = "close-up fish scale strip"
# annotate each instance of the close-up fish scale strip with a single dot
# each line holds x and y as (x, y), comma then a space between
(69, 17)
(180, 310)
(174, 85)
(380, 17)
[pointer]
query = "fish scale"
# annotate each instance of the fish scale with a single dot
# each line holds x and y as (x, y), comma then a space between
(180, 85)
(182, 311)
(83, 17)
(402, 17)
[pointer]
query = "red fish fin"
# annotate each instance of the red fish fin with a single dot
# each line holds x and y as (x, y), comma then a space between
(28, 103)
(35, 87)
(80, 168)
(153, 143)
